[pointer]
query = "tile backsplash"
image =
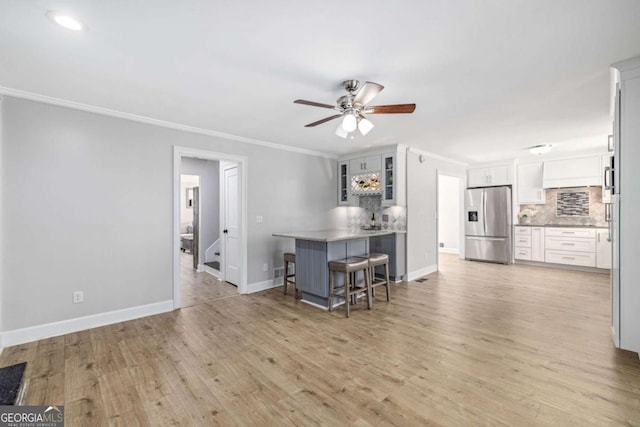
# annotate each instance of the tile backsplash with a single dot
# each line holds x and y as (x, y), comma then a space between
(567, 206)
(388, 217)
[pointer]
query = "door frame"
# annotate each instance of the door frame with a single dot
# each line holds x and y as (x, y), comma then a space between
(242, 161)
(461, 220)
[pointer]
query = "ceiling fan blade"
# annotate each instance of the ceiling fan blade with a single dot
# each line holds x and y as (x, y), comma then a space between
(313, 104)
(391, 109)
(367, 92)
(319, 122)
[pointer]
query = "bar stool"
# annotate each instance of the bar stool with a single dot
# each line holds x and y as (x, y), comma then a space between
(376, 260)
(349, 267)
(289, 258)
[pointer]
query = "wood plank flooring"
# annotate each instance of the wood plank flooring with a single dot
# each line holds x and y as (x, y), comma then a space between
(476, 344)
(196, 288)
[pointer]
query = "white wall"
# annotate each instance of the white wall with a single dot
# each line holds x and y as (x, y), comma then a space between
(110, 232)
(422, 236)
(209, 173)
(186, 212)
(449, 211)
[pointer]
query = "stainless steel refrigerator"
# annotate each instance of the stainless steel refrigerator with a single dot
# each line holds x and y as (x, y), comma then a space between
(488, 224)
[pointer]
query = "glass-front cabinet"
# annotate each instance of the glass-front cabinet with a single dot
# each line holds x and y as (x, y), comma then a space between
(389, 175)
(343, 184)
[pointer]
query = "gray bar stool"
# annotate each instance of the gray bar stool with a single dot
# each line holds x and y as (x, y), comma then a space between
(349, 267)
(290, 258)
(376, 260)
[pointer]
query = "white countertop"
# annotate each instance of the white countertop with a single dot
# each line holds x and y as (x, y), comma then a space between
(336, 235)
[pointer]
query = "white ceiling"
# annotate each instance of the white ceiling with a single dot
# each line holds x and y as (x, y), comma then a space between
(489, 77)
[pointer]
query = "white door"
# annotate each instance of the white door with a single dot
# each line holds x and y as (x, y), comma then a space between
(231, 224)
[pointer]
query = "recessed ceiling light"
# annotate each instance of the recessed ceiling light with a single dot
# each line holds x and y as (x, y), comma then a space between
(65, 20)
(540, 149)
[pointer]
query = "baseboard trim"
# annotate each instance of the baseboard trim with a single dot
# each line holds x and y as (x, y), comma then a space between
(422, 272)
(48, 330)
(201, 268)
(263, 286)
(212, 271)
(449, 251)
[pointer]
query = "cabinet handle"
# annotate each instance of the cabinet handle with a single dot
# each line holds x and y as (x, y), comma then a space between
(365, 165)
(598, 237)
(568, 244)
(568, 257)
(568, 232)
(540, 195)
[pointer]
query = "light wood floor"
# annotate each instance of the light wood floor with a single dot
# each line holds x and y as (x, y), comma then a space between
(196, 288)
(477, 344)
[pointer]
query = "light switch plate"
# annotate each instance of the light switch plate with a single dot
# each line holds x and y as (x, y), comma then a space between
(259, 219)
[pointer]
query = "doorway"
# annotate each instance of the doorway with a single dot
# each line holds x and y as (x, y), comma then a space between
(229, 199)
(450, 220)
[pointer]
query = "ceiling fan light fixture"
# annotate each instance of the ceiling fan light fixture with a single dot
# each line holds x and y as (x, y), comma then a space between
(341, 132)
(365, 126)
(540, 149)
(349, 123)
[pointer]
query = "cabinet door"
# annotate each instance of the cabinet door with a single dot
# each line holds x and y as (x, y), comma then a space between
(499, 175)
(603, 249)
(365, 165)
(343, 184)
(530, 189)
(537, 244)
(477, 177)
(388, 179)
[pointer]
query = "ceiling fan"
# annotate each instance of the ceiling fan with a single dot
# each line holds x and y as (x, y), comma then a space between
(353, 107)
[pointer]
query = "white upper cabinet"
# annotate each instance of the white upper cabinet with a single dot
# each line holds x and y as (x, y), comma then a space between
(394, 179)
(489, 176)
(345, 198)
(530, 191)
(365, 165)
(578, 172)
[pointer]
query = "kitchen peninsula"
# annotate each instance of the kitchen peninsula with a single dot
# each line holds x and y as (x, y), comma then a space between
(314, 250)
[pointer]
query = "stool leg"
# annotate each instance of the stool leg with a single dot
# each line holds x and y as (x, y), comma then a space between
(295, 285)
(285, 279)
(332, 278)
(372, 275)
(347, 291)
(386, 278)
(367, 284)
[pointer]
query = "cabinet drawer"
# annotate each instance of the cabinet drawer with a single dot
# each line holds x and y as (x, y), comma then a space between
(522, 241)
(523, 253)
(570, 244)
(583, 259)
(523, 231)
(570, 232)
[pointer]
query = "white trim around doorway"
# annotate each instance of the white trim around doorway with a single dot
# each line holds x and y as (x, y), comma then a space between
(178, 154)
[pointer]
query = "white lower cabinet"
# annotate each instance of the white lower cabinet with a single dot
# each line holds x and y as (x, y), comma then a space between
(603, 249)
(584, 247)
(537, 244)
(529, 243)
(571, 246)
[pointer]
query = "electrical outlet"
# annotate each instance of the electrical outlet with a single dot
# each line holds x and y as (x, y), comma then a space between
(265, 267)
(78, 297)
(441, 245)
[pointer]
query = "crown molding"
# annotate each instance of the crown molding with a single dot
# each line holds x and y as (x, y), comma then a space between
(437, 156)
(156, 122)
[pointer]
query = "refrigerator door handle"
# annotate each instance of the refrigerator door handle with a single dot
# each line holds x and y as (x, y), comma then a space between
(495, 239)
(484, 212)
